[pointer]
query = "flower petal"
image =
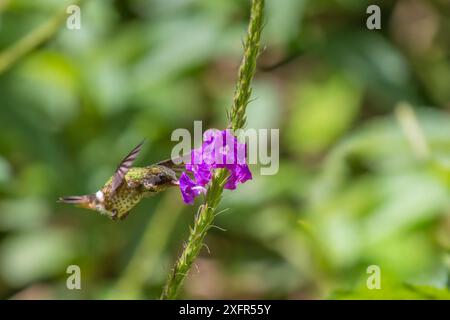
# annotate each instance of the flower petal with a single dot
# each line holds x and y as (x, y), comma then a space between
(238, 174)
(220, 149)
(189, 189)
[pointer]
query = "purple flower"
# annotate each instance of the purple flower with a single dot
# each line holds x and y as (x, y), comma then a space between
(189, 189)
(238, 174)
(201, 170)
(220, 149)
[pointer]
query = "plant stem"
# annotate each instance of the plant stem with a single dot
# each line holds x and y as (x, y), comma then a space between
(247, 68)
(206, 212)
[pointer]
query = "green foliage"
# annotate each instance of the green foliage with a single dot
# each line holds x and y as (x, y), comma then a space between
(352, 189)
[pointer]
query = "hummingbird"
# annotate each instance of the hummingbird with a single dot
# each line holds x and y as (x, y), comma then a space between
(128, 186)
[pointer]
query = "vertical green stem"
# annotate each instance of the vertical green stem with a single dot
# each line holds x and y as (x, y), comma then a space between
(247, 68)
(206, 212)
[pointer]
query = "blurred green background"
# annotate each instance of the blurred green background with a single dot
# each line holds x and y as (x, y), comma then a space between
(364, 124)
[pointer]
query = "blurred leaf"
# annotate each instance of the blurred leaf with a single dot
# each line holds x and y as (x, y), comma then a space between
(284, 18)
(34, 256)
(48, 79)
(392, 290)
(23, 214)
(5, 170)
(374, 62)
(264, 111)
(322, 112)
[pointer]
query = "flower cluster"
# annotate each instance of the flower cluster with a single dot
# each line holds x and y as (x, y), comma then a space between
(220, 149)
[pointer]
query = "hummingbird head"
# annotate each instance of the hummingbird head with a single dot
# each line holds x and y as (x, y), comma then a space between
(159, 178)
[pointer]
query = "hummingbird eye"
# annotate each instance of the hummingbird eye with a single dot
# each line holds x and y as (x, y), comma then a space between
(157, 180)
(162, 179)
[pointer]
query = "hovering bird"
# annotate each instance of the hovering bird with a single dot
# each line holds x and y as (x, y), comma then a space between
(127, 187)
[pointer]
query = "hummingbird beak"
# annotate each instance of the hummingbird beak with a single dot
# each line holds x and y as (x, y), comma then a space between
(81, 201)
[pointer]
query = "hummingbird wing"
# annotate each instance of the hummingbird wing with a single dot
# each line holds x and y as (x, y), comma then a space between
(124, 166)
